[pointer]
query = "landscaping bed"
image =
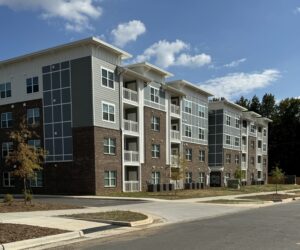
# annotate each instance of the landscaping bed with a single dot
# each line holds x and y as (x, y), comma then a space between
(17, 232)
(233, 201)
(20, 206)
(270, 197)
(125, 216)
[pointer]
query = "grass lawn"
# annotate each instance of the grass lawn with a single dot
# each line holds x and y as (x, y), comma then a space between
(218, 191)
(126, 216)
(16, 232)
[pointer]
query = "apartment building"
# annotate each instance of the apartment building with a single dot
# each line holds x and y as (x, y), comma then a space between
(237, 141)
(109, 127)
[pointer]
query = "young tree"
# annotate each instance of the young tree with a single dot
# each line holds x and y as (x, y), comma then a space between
(24, 158)
(277, 175)
(244, 102)
(268, 106)
(255, 104)
(177, 174)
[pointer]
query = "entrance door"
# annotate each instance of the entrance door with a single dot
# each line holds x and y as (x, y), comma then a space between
(215, 179)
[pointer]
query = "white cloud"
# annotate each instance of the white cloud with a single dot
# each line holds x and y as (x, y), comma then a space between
(75, 13)
(235, 63)
(166, 54)
(236, 84)
(127, 32)
(297, 10)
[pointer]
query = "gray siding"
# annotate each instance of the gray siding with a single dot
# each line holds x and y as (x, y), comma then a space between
(82, 105)
(162, 96)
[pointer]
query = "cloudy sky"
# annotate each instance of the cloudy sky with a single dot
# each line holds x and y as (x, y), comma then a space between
(231, 47)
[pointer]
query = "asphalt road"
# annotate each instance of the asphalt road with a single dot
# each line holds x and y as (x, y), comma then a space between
(274, 227)
(86, 201)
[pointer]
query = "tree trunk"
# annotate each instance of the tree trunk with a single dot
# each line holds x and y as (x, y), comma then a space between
(25, 189)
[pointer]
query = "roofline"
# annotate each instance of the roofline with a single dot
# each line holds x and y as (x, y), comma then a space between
(191, 85)
(134, 73)
(171, 89)
(236, 106)
(266, 119)
(151, 66)
(253, 113)
(89, 40)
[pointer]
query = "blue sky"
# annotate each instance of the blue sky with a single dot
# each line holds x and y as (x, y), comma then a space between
(230, 47)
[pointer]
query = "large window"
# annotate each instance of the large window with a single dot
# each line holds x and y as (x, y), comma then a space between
(6, 120)
(237, 123)
(228, 158)
(155, 150)
(187, 106)
(201, 134)
(37, 179)
(227, 141)
(188, 154)
(155, 177)
(265, 147)
(188, 177)
(265, 132)
(188, 131)
(202, 155)
(228, 120)
(8, 179)
(32, 85)
(237, 159)
(201, 177)
(201, 111)
(108, 78)
(33, 116)
(109, 146)
(7, 147)
(155, 123)
(5, 90)
(110, 178)
(108, 112)
(154, 95)
(237, 141)
(252, 128)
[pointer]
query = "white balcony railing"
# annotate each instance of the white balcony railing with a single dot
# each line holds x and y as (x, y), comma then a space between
(244, 130)
(131, 156)
(259, 134)
(259, 151)
(244, 165)
(244, 148)
(174, 161)
(130, 95)
(132, 186)
(131, 126)
(258, 166)
(175, 135)
(175, 109)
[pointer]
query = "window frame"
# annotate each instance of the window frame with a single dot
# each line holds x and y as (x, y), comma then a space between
(228, 120)
(188, 177)
(109, 145)
(155, 123)
(155, 151)
(228, 158)
(108, 113)
(8, 148)
(110, 178)
(237, 122)
(5, 90)
(35, 119)
(189, 154)
(201, 133)
(30, 83)
(8, 122)
(201, 111)
(202, 155)
(37, 179)
(155, 177)
(107, 78)
(187, 107)
(10, 179)
(227, 137)
(188, 132)
(201, 177)
(237, 159)
(155, 95)
(237, 139)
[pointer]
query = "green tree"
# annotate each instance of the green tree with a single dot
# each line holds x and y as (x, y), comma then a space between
(277, 175)
(255, 104)
(178, 173)
(268, 106)
(244, 102)
(24, 158)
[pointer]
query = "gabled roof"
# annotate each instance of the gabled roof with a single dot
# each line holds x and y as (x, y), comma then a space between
(90, 40)
(184, 83)
(150, 66)
(223, 101)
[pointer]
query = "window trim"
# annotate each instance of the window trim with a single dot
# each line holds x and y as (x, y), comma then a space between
(189, 131)
(109, 104)
(6, 120)
(7, 148)
(155, 151)
(32, 85)
(34, 117)
(155, 126)
(189, 154)
(202, 155)
(154, 95)
(37, 179)
(155, 177)
(111, 71)
(6, 90)
(10, 178)
(202, 134)
(110, 178)
(189, 106)
(109, 145)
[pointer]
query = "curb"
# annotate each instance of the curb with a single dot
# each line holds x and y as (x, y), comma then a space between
(27, 244)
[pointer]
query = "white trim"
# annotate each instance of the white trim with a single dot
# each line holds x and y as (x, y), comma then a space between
(108, 70)
(109, 104)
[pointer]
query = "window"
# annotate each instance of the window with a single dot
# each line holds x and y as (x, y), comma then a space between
(188, 177)
(259, 129)
(37, 179)
(264, 162)
(201, 177)
(237, 123)
(7, 147)
(154, 95)
(259, 144)
(108, 112)
(155, 123)
(36, 144)
(202, 155)
(108, 78)
(6, 120)
(237, 141)
(187, 107)
(244, 124)
(265, 147)
(110, 178)
(32, 85)
(252, 128)
(227, 141)
(228, 158)
(5, 90)
(252, 143)
(244, 140)
(252, 160)
(265, 132)
(201, 111)
(8, 179)
(201, 133)
(259, 159)
(109, 146)
(33, 116)
(258, 174)
(155, 177)
(243, 157)
(188, 131)
(188, 154)
(237, 159)
(228, 120)
(155, 150)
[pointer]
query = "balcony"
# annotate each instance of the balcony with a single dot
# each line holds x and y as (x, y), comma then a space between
(174, 161)
(259, 134)
(244, 148)
(175, 135)
(244, 130)
(258, 166)
(131, 157)
(130, 95)
(244, 165)
(175, 110)
(132, 186)
(259, 151)
(131, 126)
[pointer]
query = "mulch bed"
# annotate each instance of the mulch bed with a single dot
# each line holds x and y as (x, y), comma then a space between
(19, 206)
(17, 232)
(270, 197)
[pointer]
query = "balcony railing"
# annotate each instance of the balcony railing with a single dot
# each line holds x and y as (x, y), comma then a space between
(130, 95)
(175, 135)
(131, 126)
(244, 148)
(259, 151)
(131, 156)
(258, 166)
(174, 161)
(244, 130)
(259, 134)
(175, 109)
(132, 186)
(244, 164)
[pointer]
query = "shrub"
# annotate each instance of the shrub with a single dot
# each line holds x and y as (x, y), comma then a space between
(8, 198)
(27, 197)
